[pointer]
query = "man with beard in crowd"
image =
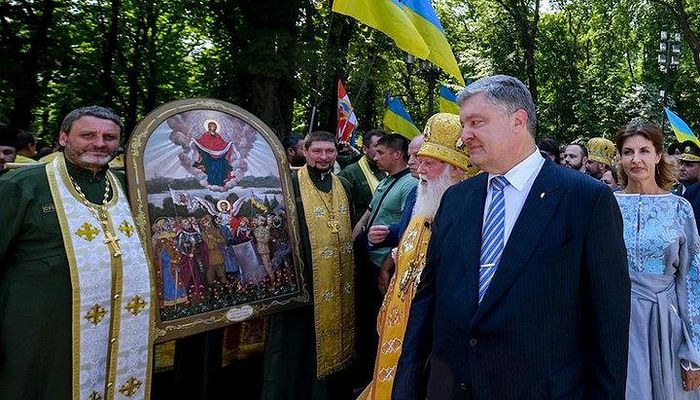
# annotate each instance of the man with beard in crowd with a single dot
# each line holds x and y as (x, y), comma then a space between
(442, 163)
(575, 157)
(306, 348)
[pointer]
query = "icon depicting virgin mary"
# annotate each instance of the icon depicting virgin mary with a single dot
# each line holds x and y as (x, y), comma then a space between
(214, 155)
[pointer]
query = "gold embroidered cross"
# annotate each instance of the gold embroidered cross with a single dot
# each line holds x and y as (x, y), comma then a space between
(391, 346)
(95, 314)
(386, 374)
(136, 305)
(130, 387)
(95, 396)
(87, 232)
(126, 228)
(112, 242)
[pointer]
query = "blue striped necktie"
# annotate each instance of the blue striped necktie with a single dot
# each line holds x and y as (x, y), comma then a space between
(492, 234)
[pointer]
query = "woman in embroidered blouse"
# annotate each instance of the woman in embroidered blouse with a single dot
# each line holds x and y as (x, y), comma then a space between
(664, 263)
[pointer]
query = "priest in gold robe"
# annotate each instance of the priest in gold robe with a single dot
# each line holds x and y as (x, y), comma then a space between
(443, 161)
(307, 348)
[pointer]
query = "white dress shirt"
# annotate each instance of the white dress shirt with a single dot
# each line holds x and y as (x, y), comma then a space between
(520, 179)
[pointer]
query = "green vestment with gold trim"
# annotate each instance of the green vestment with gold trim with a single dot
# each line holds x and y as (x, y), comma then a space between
(35, 285)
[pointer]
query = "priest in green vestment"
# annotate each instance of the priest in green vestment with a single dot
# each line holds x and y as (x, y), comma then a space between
(307, 348)
(49, 347)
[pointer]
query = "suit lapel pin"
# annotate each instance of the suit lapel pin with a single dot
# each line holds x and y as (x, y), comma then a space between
(542, 195)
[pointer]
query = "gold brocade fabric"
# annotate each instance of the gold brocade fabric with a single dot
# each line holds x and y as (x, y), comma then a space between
(393, 316)
(330, 235)
(372, 180)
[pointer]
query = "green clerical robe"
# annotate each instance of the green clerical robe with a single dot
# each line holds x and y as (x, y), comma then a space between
(290, 342)
(35, 285)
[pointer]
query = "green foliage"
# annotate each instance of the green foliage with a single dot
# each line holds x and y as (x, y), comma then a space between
(595, 63)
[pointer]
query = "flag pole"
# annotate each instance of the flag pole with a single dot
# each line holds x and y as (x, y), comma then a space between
(313, 117)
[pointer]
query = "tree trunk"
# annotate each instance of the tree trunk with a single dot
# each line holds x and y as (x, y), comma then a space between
(133, 74)
(110, 47)
(26, 87)
(336, 57)
(270, 36)
(151, 73)
(520, 12)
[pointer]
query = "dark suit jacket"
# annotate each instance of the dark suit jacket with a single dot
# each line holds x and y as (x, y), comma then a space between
(692, 194)
(554, 322)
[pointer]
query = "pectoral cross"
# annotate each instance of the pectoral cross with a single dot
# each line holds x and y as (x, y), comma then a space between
(113, 242)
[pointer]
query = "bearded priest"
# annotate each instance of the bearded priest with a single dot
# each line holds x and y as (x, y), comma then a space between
(76, 310)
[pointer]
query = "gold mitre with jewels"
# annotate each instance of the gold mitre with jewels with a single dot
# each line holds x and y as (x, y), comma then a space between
(442, 141)
(601, 150)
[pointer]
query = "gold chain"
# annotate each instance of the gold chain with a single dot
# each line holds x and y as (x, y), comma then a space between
(332, 223)
(100, 213)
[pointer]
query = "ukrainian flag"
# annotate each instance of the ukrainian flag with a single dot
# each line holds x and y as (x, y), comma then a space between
(680, 128)
(447, 101)
(397, 119)
(423, 16)
(389, 17)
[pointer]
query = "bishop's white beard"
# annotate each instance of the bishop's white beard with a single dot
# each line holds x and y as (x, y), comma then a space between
(430, 193)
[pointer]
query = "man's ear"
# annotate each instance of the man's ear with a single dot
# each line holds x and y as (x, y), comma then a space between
(520, 120)
(62, 138)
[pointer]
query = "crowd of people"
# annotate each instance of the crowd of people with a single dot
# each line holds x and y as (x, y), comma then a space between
(472, 261)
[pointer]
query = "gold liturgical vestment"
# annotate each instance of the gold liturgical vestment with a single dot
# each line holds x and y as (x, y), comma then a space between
(393, 315)
(330, 235)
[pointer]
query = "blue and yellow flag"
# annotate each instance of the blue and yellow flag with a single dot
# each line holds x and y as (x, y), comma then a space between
(680, 128)
(424, 18)
(389, 17)
(448, 101)
(396, 119)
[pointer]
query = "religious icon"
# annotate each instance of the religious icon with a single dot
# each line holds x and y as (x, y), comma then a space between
(211, 188)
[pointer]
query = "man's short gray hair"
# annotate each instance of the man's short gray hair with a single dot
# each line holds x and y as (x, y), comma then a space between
(505, 91)
(91, 111)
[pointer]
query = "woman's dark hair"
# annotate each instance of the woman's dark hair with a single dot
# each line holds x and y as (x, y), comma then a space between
(663, 173)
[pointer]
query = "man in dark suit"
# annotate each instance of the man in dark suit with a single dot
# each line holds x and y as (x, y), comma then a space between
(525, 293)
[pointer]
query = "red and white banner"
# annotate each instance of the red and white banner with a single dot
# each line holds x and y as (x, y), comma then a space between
(347, 121)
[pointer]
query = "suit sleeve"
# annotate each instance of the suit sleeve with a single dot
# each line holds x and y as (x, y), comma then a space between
(607, 299)
(410, 381)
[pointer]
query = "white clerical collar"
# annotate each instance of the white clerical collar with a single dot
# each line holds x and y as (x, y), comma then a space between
(519, 175)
